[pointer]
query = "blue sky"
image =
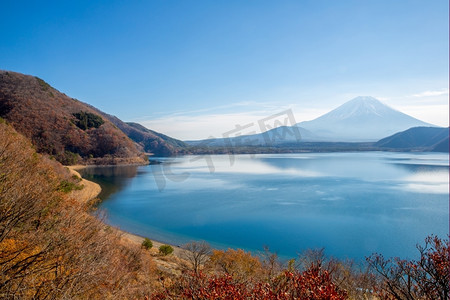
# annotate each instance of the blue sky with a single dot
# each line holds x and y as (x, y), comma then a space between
(193, 69)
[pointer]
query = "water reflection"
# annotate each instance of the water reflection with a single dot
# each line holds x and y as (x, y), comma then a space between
(112, 179)
(351, 203)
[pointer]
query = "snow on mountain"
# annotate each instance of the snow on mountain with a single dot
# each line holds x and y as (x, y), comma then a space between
(362, 119)
(358, 120)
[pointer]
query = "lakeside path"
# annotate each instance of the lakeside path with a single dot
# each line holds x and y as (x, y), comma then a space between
(91, 191)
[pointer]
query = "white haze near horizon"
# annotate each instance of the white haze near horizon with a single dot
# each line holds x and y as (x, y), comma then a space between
(429, 106)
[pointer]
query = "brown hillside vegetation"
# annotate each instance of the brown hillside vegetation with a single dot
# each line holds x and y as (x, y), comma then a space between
(58, 125)
(50, 247)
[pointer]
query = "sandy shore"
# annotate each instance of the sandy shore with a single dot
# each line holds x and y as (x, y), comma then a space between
(136, 239)
(90, 191)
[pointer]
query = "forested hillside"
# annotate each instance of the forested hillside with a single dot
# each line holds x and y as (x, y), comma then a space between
(72, 131)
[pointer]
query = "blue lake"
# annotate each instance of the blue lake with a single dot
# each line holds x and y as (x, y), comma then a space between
(352, 204)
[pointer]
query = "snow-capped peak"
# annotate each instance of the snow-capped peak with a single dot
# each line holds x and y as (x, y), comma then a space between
(359, 106)
(362, 118)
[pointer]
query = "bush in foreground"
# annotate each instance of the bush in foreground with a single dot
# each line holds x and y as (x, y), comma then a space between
(165, 250)
(147, 244)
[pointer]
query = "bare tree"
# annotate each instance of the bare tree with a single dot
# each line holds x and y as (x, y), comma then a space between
(271, 263)
(312, 257)
(197, 253)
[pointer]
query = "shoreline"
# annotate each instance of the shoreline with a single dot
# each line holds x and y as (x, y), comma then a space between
(91, 191)
(137, 240)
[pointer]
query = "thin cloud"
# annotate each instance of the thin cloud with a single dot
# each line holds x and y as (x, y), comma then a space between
(188, 127)
(195, 127)
(431, 93)
(433, 114)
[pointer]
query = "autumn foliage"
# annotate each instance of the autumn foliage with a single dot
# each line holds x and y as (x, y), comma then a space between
(50, 247)
(239, 264)
(313, 283)
(236, 274)
(425, 278)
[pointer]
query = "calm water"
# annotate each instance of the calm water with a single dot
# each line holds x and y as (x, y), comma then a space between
(353, 204)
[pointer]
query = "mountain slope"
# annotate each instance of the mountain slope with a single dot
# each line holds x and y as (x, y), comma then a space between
(442, 146)
(149, 140)
(168, 139)
(63, 127)
(360, 119)
(419, 138)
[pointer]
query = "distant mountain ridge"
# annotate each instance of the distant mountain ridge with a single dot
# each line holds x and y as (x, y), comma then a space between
(362, 119)
(72, 131)
(418, 138)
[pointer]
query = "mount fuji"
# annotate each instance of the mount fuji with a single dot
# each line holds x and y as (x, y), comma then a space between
(362, 119)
